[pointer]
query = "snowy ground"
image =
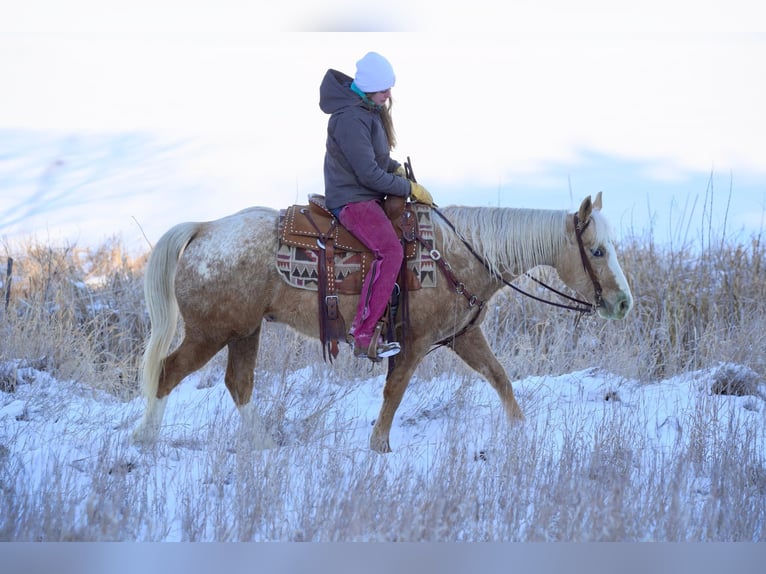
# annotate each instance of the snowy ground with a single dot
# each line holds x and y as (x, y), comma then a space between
(67, 447)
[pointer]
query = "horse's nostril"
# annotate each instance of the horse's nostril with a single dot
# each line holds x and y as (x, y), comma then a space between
(624, 305)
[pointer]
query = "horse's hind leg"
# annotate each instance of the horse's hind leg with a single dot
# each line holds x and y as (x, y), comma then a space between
(190, 356)
(239, 381)
(473, 348)
(240, 368)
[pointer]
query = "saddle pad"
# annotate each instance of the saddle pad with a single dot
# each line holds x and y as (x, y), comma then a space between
(298, 265)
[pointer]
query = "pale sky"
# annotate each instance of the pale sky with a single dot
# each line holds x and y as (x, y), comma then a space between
(497, 103)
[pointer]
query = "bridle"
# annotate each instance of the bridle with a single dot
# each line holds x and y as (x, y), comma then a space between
(579, 230)
(582, 307)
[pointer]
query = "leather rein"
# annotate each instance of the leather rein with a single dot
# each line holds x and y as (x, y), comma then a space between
(582, 307)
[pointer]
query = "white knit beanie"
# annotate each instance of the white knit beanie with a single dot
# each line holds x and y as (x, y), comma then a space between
(374, 73)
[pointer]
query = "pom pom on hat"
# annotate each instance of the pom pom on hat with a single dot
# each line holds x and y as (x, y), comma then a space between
(374, 73)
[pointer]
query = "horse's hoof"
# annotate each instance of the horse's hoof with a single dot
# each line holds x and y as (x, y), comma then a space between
(255, 440)
(380, 445)
(144, 436)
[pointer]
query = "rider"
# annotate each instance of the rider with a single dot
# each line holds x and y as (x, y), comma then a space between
(358, 173)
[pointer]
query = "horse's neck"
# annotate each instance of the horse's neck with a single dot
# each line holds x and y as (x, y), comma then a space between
(510, 241)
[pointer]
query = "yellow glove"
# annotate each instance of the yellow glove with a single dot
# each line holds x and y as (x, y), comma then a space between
(420, 194)
(400, 171)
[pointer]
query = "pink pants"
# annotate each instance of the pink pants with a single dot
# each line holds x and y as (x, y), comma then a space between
(370, 224)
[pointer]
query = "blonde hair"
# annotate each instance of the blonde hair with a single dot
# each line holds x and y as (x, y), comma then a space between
(388, 123)
(385, 115)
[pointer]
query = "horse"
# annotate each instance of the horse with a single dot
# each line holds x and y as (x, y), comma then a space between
(221, 277)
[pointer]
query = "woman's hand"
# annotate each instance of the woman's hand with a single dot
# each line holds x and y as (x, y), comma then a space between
(420, 194)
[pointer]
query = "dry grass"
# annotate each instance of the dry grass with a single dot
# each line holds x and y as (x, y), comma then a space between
(77, 312)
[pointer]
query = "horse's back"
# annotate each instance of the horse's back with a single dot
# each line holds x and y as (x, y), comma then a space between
(229, 263)
(246, 234)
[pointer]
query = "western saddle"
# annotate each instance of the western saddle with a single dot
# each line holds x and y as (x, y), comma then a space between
(313, 227)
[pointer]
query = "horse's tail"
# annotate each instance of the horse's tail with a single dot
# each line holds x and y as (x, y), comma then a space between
(159, 291)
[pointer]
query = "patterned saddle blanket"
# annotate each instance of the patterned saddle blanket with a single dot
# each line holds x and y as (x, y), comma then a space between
(302, 228)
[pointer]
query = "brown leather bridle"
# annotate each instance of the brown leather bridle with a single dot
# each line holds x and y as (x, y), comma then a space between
(583, 307)
(579, 230)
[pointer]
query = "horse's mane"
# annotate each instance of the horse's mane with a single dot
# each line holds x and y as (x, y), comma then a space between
(515, 240)
(509, 240)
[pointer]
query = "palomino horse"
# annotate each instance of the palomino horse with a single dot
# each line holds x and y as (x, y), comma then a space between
(221, 276)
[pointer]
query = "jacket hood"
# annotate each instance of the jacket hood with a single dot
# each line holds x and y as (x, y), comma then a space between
(335, 92)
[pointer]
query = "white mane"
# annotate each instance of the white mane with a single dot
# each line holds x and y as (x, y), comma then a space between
(509, 240)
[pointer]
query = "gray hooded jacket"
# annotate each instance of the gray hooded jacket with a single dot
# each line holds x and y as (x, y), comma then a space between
(357, 164)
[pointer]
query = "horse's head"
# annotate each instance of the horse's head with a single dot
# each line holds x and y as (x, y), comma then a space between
(590, 264)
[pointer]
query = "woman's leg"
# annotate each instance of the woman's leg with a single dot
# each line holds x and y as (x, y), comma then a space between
(369, 223)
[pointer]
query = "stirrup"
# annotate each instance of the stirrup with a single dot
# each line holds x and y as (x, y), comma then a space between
(377, 353)
(385, 350)
(377, 349)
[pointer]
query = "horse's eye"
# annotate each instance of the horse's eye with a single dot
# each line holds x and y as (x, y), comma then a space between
(598, 252)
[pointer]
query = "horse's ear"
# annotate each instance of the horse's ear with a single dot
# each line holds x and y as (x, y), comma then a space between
(583, 215)
(597, 203)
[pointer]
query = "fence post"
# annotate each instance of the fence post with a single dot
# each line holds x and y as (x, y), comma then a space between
(8, 283)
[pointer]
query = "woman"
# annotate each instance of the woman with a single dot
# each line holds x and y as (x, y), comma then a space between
(359, 172)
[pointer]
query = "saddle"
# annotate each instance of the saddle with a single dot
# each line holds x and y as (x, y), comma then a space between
(313, 227)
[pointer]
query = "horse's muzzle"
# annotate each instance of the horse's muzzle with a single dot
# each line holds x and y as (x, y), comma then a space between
(616, 307)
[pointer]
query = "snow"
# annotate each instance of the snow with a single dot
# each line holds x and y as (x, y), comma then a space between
(66, 431)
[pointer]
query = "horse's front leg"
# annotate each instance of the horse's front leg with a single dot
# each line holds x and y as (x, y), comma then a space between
(473, 348)
(393, 391)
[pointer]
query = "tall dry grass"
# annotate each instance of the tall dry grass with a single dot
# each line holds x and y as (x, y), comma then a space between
(76, 313)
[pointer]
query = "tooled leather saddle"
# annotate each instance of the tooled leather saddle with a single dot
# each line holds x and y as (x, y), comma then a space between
(313, 227)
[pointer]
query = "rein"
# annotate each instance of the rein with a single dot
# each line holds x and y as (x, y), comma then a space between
(582, 307)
